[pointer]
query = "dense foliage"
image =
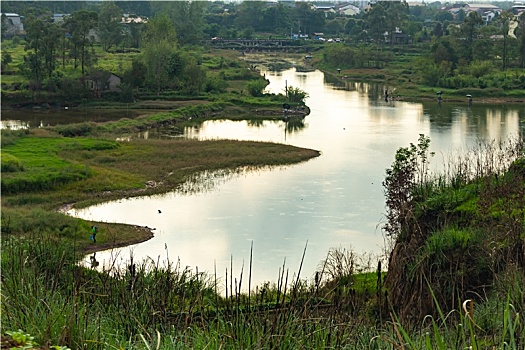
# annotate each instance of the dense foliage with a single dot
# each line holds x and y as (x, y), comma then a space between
(424, 44)
(459, 235)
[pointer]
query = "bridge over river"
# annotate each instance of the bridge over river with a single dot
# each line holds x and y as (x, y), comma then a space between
(256, 44)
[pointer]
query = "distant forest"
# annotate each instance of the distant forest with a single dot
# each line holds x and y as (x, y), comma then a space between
(450, 46)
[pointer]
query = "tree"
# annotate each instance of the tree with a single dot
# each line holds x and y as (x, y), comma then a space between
(443, 50)
(79, 25)
(483, 47)
(33, 66)
(251, 14)
(396, 17)
(195, 78)
(256, 87)
(504, 21)
(296, 94)
(3, 30)
(187, 18)
(460, 16)
(6, 59)
(469, 31)
(334, 26)
(350, 24)
(306, 19)
(520, 33)
(409, 170)
(376, 22)
(277, 19)
(133, 31)
(42, 43)
(413, 28)
(438, 30)
(109, 25)
(159, 43)
(443, 16)
(135, 76)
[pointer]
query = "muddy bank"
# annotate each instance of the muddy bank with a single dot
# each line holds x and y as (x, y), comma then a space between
(142, 234)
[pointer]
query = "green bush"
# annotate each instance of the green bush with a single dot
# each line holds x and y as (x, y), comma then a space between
(11, 164)
(75, 130)
(442, 243)
(256, 87)
(43, 181)
(9, 137)
(296, 94)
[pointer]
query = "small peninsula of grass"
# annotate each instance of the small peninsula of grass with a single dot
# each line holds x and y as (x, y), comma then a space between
(53, 171)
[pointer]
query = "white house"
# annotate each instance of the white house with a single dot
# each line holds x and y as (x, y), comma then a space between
(127, 19)
(58, 17)
(99, 85)
(325, 9)
(14, 25)
(348, 10)
(487, 11)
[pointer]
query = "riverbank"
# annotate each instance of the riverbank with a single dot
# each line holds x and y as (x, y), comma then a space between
(86, 171)
(410, 92)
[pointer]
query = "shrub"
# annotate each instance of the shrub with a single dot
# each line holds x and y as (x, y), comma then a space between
(256, 87)
(74, 130)
(296, 94)
(9, 137)
(479, 69)
(11, 164)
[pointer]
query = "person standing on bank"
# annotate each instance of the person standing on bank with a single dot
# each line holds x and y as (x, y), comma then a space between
(94, 231)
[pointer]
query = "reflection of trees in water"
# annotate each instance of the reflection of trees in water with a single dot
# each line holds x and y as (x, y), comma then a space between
(374, 90)
(332, 80)
(294, 124)
(487, 121)
(207, 180)
(255, 122)
(440, 114)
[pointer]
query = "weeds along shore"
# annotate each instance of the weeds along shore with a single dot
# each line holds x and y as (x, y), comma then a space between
(455, 275)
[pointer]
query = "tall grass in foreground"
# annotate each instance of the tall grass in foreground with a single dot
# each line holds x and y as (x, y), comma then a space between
(154, 304)
(456, 273)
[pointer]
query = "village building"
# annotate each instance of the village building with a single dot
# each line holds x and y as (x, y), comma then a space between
(99, 84)
(487, 11)
(348, 9)
(13, 25)
(59, 17)
(325, 9)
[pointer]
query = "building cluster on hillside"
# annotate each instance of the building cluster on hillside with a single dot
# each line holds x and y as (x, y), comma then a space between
(487, 11)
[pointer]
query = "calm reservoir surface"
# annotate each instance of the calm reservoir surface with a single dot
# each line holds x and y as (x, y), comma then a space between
(335, 200)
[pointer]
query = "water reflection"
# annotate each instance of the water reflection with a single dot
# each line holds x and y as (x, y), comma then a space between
(484, 121)
(294, 124)
(334, 200)
(29, 118)
(15, 124)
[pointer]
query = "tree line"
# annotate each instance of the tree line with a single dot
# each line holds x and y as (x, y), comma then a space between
(456, 51)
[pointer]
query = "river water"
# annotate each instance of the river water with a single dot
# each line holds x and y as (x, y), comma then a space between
(333, 201)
